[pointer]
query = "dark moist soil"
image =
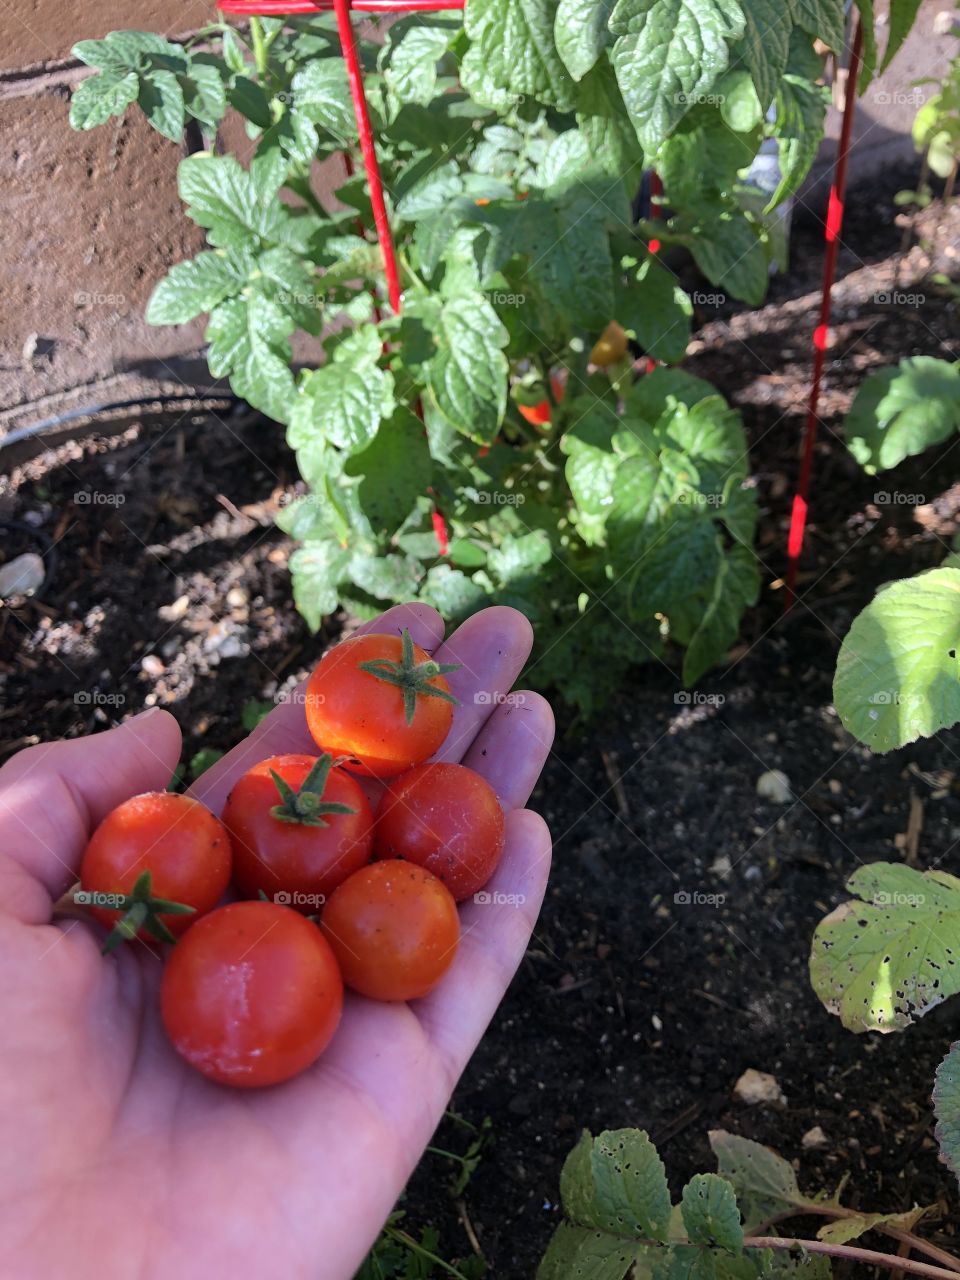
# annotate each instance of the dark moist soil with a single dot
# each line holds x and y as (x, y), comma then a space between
(633, 1007)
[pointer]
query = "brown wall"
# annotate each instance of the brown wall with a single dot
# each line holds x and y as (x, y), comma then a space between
(89, 222)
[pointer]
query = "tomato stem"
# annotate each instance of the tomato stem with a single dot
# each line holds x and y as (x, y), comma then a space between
(142, 911)
(410, 677)
(307, 806)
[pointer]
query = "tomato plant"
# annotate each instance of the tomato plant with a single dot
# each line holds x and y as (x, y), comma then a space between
(380, 702)
(394, 929)
(444, 817)
(153, 865)
(298, 827)
(251, 995)
(512, 148)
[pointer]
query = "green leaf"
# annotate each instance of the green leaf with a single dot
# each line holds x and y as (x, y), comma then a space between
(247, 97)
(197, 285)
(203, 760)
(704, 156)
(576, 1252)
(765, 1184)
(656, 311)
(232, 48)
(223, 197)
(669, 52)
(884, 961)
(204, 93)
(868, 22)
(341, 404)
(801, 110)
(766, 45)
(451, 592)
(726, 248)
(845, 1229)
(385, 577)
(897, 674)
(467, 377)
(899, 412)
(821, 18)
(317, 570)
(161, 100)
(710, 1213)
(739, 106)
(736, 586)
(98, 98)
(616, 1182)
(515, 562)
(410, 55)
(582, 32)
(946, 1107)
(903, 14)
(396, 469)
(122, 51)
(512, 54)
(321, 92)
(248, 340)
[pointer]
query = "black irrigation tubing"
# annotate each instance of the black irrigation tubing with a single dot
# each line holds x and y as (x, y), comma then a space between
(92, 410)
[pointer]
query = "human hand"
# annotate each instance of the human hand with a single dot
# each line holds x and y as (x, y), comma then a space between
(118, 1159)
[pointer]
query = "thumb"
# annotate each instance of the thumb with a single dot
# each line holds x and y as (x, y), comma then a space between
(53, 795)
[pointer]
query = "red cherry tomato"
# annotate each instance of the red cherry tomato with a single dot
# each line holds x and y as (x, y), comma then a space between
(535, 414)
(251, 995)
(446, 818)
(394, 929)
(174, 841)
(295, 839)
(381, 701)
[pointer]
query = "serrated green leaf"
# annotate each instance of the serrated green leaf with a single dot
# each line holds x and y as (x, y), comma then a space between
(735, 588)
(897, 675)
(946, 1107)
(317, 570)
(247, 97)
(204, 93)
(884, 961)
(233, 50)
(99, 97)
(582, 32)
(223, 197)
(249, 343)
(467, 376)
(396, 469)
(823, 19)
(122, 51)
(339, 404)
(739, 104)
(451, 592)
(616, 1182)
(161, 100)
(656, 311)
(410, 55)
(512, 54)
(726, 248)
(765, 1184)
(514, 563)
(197, 285)
(766, 45)
(321, 92)
(576, 1252)
(801, 111)
(710, 1213)
(901, 411)
(703, 157)
(670, 52)
(903, 14)
(385, 577)
(869, 23)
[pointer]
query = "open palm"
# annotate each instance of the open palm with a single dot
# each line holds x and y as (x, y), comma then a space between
(117, 1159)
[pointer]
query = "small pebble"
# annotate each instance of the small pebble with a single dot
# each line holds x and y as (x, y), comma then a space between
(774, 785)
(22, 576)
(759, 1089)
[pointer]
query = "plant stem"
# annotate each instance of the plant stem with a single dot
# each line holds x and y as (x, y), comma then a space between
(413, 1245)
(836, 1211)
(260, 47)
(951, 184)
(870, 1257)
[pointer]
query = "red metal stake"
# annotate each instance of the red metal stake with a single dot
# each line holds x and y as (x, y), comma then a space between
(656, 189)
(835, 209)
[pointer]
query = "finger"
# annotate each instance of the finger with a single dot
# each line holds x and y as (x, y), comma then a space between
(512, 747)
(53, 795)
(284, 731)
(494, 935)
(491, 647)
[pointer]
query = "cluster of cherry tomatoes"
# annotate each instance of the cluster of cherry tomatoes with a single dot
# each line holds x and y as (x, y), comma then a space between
(341, 881)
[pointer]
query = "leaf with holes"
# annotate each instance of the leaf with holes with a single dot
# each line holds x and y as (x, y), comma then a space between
(710, 1213)
(616, 1182)
(581, 1251)
(888, 959)
(898, 676)
(669, 52)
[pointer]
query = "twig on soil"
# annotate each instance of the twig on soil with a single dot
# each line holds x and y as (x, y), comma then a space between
(616, 782)
(464, 1217)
